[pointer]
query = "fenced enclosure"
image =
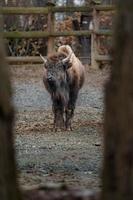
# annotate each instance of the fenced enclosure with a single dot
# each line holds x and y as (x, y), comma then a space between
(95, 33)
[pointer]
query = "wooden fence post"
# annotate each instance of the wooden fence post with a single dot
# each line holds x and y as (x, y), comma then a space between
(96, 59)
(50, 46)
(9, 189)
(94, 63)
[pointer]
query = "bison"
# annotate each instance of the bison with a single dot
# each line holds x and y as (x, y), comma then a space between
(63, 76)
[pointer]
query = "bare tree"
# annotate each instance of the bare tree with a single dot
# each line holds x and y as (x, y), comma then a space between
(118, 139)
(70, 2)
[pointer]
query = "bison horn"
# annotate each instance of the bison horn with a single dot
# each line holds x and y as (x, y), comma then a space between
(45, 60)
(67, 58)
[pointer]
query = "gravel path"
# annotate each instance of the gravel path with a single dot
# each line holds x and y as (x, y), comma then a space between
(73, 157)
(31, 96)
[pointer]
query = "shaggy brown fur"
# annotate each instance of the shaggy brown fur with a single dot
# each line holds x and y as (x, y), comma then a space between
(76, 74)
(77, 71)
(63, 81)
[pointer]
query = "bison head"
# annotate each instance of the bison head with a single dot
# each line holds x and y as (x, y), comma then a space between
(55, 76)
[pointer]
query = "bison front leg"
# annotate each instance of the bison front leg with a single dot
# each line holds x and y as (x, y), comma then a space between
(69, 116)
(58, 117)
(70, 109)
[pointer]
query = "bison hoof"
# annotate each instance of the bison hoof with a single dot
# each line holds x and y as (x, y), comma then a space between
(59, 125)
(69, 127)
(58, 128)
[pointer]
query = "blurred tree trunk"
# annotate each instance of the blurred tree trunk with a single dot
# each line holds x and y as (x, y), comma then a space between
(8, 178)
(118, 139)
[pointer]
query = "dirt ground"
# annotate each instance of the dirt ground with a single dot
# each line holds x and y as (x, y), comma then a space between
(73, 157)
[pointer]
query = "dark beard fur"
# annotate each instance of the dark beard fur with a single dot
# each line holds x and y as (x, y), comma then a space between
(61, 95)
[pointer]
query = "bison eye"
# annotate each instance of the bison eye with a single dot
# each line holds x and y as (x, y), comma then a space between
(67, 65)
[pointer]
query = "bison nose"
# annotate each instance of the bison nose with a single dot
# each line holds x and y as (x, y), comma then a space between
(50, 78)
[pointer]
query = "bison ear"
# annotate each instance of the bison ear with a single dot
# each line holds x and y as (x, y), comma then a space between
(67, 65)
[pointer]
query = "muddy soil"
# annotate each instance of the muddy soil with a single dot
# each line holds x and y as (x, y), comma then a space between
(73, 157)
